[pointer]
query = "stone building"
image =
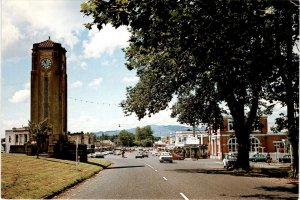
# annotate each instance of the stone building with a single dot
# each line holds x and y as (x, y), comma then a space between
(88, 139)
(49, 90)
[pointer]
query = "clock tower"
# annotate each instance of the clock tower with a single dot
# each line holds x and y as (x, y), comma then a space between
(49, 90)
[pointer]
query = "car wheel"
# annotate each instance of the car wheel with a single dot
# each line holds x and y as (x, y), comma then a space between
(171, 161)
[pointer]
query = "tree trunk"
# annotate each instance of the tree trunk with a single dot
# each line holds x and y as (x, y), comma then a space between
(242, 136)
(243, 126)
(292, 120)
(293, 137)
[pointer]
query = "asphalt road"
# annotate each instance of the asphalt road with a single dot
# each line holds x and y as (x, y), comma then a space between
(147, 178)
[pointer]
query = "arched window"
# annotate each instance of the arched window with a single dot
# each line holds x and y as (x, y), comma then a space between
(232, 145)
(254, 144)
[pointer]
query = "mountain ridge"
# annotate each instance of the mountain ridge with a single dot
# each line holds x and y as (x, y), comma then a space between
(158, 130)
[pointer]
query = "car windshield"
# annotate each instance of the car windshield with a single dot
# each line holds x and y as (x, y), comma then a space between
(165, 154)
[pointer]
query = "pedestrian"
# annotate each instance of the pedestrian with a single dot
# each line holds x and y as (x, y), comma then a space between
(123, 153)
(268, 158)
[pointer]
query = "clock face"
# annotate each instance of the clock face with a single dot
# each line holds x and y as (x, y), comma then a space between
(46, 63)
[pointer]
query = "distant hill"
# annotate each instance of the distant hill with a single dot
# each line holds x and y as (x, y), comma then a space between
(158, 130)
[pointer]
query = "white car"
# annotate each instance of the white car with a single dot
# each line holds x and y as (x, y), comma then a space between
(98, 155)
(229, 161)
(165, 156)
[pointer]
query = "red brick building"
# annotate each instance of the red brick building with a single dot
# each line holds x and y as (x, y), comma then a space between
(224, 141)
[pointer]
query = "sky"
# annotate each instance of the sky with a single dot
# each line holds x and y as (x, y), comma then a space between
(97, 75)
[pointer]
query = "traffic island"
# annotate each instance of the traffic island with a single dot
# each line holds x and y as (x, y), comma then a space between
(25, 177)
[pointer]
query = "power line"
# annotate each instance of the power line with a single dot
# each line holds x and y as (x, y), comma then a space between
(93, 102)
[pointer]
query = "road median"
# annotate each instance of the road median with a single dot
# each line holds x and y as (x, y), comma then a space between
(25, 177)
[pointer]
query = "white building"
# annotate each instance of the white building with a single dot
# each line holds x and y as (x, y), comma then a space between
(16, 136)
(187, 138)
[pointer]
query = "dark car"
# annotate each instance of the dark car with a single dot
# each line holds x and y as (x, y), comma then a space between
(285, 159)
(177, 157)
(145, 154)
(258, 158)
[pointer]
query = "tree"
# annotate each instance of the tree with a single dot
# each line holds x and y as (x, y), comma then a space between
(144, 136)
(126, 138)
(39, 132)
(215, 51)
(284, 82)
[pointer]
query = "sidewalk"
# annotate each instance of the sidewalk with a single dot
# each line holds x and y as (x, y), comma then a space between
(274, 169)
(275, 165)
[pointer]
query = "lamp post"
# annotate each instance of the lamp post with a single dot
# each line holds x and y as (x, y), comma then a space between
(77, 153)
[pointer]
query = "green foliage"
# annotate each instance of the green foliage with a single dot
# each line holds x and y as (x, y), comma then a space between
(203, 53)
(126, 138)
(144, 136)
(39, 132)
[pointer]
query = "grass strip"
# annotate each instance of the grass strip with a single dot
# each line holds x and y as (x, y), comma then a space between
(25, 177)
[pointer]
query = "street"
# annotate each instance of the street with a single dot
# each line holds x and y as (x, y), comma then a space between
(147, 178)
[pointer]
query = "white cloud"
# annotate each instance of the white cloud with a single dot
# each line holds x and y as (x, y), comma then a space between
(76, 84)
(96, 82)
(105, 41)
(83, 65)
(109, 62)
(130, 80)
(84, 123)
(29, 21)
(21, 96)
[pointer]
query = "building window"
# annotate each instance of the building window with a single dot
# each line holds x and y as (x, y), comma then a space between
(256, 127)
(17, 138)
(230, 125)
(254, 142)
(232, 145)
(25, 138)
(9, 139)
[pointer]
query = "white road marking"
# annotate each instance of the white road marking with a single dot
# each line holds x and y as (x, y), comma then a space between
(165, 178)
(151, 167)
(183, 196)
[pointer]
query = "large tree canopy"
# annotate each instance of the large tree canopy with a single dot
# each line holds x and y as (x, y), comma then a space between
(202, 52)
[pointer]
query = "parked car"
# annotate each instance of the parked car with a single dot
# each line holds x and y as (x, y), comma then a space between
(98, 155)
(139, 154)
(165, 156)
(258, 158)
(117, 152)
(229, 161)
(177, 156)
(285, 158)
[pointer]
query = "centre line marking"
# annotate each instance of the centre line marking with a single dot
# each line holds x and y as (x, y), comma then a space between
(149, 166)
(183, 196)
(165, 178)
